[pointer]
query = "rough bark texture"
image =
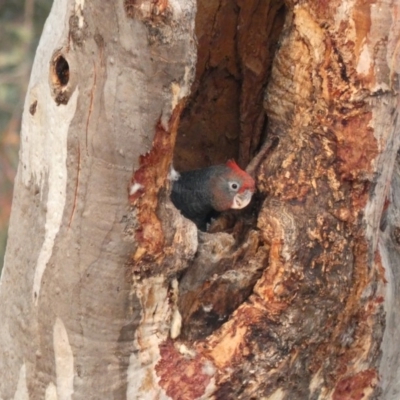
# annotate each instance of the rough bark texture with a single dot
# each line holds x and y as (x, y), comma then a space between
(108, 292)
(314, 323)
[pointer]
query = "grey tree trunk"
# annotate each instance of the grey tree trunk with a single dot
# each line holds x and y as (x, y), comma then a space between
(107, 78)
(109, 293)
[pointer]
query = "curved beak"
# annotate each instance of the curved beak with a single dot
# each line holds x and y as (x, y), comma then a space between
(241, 200)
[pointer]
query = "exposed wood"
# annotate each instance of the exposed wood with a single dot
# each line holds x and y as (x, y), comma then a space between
(314, 323)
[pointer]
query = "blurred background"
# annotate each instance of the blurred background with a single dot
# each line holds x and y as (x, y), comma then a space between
(21, 24)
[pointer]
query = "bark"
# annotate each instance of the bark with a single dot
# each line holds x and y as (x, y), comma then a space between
(107, 79)
(108, 292)
(297, 310)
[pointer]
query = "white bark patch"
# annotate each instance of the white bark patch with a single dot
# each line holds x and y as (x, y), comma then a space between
(342, 15)
(181, 9)
(51, 392)
(185, 351)
(181, 91)
(176, 90)
(316, 384)
(210, 389)
(207, 307)
(56, 144)
(390, 291)
(176, 324)
(64, 361)
(22, 390)
(176, 321)
(134, 188)
(364, 62)
(173, 175)
(277, 395)
(79, 4)
(153, 330)
(44, 134)
(176, 7)
(39, 145)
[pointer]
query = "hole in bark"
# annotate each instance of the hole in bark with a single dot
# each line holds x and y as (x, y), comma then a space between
(224, 117)
(60, 77)
(61, 69)
(32, 108)
(396, 235)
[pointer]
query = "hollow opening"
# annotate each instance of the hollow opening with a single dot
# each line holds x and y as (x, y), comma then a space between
(60, 78)
(224, 117)
(61, 69)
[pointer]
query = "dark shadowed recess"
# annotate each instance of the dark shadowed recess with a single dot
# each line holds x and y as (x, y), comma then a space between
(224, 119)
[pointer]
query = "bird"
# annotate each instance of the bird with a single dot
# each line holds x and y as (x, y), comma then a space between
(203, 193)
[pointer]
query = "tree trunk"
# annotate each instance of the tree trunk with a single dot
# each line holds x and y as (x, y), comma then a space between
(107, 80)
(108, 292)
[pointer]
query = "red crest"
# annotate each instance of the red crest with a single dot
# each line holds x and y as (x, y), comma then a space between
(248, 181)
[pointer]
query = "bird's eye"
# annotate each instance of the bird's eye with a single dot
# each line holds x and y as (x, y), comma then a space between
(234, 186)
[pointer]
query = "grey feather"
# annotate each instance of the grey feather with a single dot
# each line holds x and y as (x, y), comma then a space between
(191, 194)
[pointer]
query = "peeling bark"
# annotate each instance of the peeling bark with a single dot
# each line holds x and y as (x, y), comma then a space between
(314, 322)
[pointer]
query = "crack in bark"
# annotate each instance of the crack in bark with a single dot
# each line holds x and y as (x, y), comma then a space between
(76, 188)
(90, 106)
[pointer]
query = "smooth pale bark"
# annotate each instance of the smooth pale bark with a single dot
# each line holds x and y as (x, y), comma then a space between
(110, 294)
(69, 312)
